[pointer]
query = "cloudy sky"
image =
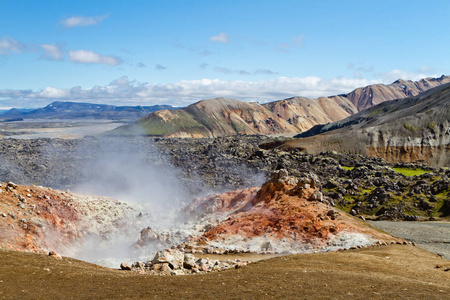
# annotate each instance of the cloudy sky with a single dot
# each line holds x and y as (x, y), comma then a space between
(179, 52)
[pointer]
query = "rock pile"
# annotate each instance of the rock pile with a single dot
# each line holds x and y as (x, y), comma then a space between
(177, 262)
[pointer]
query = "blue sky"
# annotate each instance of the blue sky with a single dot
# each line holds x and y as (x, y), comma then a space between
(179, 52)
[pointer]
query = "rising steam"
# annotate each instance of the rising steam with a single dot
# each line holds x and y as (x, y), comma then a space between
(134, 172)
(125, 171)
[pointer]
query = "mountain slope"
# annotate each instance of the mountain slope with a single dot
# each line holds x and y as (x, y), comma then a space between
(223, 117)
(409, 129)
(303, 113)
(214, 117)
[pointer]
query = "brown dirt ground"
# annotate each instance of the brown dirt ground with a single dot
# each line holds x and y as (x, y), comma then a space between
(394, 271)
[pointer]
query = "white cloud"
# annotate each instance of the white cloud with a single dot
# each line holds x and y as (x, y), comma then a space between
(52, 52)
(9, 45)
(52, 93)
(425, 69)
(91, 57)
(220, 38)
(391, 76)
(123, 91)
(80, 21)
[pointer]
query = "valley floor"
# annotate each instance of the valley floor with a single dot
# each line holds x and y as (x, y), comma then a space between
(385, 272)
(62, 129)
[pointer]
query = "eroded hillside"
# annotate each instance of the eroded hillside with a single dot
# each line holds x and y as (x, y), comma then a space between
(405, 130)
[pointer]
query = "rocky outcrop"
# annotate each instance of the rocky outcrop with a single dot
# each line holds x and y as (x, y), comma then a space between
(288, 214)
(227, 202)
(437, 155)
(40, 219)
(225, 117)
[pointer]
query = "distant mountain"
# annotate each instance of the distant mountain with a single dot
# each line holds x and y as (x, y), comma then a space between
(371, 95)
(16, 111)
(76, 110)
(409, 129)
(222, 116)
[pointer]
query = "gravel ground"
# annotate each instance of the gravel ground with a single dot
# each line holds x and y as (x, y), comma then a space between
(431, 236)
(387, 272)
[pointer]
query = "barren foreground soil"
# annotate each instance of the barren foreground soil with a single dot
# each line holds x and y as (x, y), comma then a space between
(385, 272)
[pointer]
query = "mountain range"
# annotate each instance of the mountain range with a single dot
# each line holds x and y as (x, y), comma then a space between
(77, 110)
(408, 129)
(223, 117)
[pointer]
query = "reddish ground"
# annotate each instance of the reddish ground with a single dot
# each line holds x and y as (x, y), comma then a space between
(30, 213)
(284, 208)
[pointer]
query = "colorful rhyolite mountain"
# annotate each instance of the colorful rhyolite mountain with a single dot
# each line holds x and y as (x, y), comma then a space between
(408, 129)
(222, 117)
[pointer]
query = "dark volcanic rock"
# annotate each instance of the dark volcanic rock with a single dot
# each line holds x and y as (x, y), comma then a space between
(225, 163)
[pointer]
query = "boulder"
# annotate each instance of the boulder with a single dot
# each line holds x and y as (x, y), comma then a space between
(162, 268)
(138, 265)
(189, 261)
(54, 255)
(177, 272)
(316, 196)
(11, 185)
(173, 257)
(125, 266)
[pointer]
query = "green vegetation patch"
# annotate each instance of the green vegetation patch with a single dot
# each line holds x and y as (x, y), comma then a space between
(347, 168)
(410, 172)
(410, 127)
(182, 122)
(157, 126)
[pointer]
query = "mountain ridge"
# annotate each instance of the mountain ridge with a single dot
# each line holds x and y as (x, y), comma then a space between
(409, 129)
(225, 117)
(77, 110)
